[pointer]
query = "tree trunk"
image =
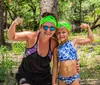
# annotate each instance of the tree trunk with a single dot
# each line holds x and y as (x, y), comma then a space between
(2, 41)
(48, 6)
(5, 19)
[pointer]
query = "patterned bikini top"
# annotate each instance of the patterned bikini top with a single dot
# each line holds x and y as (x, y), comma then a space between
(66, 51)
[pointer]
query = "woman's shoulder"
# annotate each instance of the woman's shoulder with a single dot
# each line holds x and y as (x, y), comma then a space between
(54, 40)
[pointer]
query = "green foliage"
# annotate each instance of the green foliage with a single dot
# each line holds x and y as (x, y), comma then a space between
(96, 31)
(10, 80)
(18, 48)
(83, 62)
(6, 63)
(78, 10)
(97, 49)
(84, 74)
(88, 62)
(97, 10)
(88, 18)
(28, 10)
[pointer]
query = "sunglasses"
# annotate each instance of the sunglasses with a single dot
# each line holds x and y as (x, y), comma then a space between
(45, 27)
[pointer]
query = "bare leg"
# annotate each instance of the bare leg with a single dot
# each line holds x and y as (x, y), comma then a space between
(76, 82)
(61, 82)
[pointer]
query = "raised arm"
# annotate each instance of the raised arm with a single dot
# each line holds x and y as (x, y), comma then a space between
(13, 35)
(87, 40)
(55, 67)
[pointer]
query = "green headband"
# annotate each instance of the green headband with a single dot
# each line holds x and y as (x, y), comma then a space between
(65, 25)
(48, 18)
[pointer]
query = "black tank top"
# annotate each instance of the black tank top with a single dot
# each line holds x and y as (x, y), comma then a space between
(35, 66)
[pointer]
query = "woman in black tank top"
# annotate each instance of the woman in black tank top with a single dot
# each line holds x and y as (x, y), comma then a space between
(35, 66)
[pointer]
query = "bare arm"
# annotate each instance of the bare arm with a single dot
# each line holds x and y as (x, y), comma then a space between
(55, 67)
(13, 35)
(87, 40)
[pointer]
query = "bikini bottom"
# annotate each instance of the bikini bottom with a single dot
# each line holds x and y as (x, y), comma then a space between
(69, 80)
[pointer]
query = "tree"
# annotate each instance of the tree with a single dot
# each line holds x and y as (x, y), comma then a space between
(33, 6)
(94, 24)
(2, 41)
(48, 6)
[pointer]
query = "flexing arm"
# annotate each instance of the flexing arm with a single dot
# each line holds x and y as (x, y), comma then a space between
(87, 40)
(55, 67)
(13, 35)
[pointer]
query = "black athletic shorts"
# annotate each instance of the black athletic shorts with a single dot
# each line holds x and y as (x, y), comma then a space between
(23, 80)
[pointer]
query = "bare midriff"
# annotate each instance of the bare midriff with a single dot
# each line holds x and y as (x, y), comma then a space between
(67, 68)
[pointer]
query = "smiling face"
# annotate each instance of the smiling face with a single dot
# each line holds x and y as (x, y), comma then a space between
(62, 34)
(47, 29)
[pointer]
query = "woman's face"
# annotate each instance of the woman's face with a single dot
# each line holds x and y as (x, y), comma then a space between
(62, 34)
(48, 29)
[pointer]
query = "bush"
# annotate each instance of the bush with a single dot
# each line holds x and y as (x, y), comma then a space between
(17, 48)
(6, 64)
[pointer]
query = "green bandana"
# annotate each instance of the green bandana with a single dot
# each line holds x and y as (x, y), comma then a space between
(65, 25)
(48, 18)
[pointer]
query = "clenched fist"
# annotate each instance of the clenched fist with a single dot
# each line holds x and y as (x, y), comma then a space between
(18, 21)
(84, 26)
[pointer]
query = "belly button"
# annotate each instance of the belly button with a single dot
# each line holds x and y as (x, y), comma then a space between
(66, 69)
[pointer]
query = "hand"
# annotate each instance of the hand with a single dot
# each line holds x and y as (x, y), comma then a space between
(55, 84)
(18, 21)
(77, 65)
(83, 25)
